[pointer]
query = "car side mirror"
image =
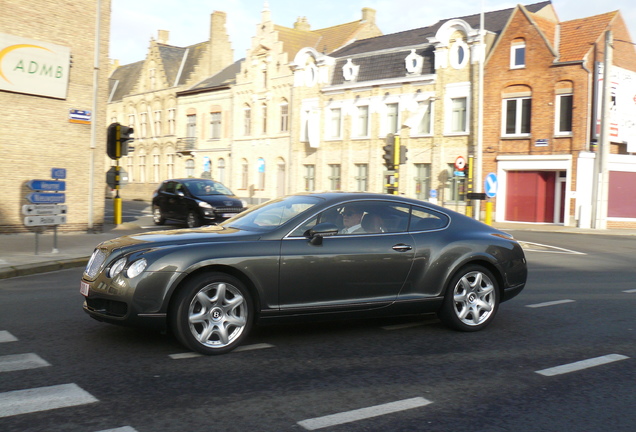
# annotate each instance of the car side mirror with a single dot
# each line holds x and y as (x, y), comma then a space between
(319, 231)
(180, 193)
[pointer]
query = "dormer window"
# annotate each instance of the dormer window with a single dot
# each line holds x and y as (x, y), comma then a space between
(413, 63)
(518, 54)
(458, 54)
(350, 71)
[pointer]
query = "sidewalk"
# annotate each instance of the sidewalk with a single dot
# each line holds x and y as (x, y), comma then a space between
(18, 255)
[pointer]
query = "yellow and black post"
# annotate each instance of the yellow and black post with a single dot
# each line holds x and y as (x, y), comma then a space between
(396, 164)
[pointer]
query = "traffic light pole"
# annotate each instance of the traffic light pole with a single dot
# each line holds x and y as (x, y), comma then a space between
(117, 218)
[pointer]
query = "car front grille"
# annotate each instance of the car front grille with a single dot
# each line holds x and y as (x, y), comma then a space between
(95, 263)
(221, 210)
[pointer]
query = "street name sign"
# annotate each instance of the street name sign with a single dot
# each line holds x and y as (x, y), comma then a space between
(47, 185)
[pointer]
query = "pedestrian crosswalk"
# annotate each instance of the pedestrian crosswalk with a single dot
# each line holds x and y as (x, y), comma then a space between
(33, 400)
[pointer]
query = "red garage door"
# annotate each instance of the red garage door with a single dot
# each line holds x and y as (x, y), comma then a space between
(622, 194)
(530, 196)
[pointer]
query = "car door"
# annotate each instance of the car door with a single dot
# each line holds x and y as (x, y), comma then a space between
(362, 270)
(179, 202)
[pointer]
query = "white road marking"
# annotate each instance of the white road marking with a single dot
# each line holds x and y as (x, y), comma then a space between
(121, 429)
(187, 355)
(5, 336)
(538, 247)
(583, 364)
(550, 303)
(363, 413)
(631, 291)
(43, 399)
(17, 362)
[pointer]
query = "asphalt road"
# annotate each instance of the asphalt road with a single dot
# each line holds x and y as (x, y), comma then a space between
(559, 357)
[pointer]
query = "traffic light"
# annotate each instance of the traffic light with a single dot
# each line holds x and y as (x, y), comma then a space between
(118, 141)
(389, 152)
(403, 157)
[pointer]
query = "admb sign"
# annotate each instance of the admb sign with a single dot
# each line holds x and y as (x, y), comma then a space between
(33, 67)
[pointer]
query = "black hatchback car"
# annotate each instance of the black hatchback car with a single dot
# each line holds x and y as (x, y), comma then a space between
(194, 202)
(307, 256)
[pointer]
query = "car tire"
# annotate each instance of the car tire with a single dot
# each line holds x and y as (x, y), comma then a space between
(471, 300)
(157, 216)
(193, 220)
(212, 314)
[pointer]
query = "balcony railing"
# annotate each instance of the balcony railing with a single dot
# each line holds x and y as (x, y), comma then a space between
(186, 145)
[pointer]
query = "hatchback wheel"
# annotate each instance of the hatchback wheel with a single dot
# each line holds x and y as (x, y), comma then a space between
(212, 314)
(471, 300)
(193, 220)
(157, 216)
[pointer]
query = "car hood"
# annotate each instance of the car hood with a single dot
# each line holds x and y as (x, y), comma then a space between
(154, 239)
(220, 200)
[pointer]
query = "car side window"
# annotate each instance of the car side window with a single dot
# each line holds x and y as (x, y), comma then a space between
(424, 220)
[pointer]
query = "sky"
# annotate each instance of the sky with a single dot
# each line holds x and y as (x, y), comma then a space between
(135, 22)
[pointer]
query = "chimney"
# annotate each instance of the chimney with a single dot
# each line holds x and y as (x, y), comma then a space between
(368, 15)
(221, 52)
(302, 24)
(164, 35)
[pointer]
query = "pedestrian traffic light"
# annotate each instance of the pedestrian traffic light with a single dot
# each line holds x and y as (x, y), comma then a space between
(118, 141)
(389, 152)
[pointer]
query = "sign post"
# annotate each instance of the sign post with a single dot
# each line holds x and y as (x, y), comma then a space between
(490, 186)
(45, 208)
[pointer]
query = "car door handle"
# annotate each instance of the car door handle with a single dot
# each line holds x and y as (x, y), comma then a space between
(402, 248)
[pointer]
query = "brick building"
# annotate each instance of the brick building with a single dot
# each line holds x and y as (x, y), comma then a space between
(540, 132)
(53, 88)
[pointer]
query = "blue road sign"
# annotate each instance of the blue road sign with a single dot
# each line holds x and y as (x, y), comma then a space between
(46, 198)
(58, 173)
(47, 185)
(490, 185)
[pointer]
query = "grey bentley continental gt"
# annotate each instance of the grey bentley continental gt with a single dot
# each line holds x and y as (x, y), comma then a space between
(305, 256)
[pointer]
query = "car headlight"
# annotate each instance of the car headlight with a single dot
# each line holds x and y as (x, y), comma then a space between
(136, 268)
(205, 205)
(116, 268)
(244, 203)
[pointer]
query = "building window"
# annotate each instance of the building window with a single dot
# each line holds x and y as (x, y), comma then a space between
(131, 121)
(220, 170)
(171, 121)
(260, 174)
(518, 55)
(284, 117)
(362, 121)
(517, 114)
(157, 124)
(264, 117)
(247, 120)
(310, 178)
(459, 121)
(131, 169)
(334, 177)
(156, 165)
(335, 122)
(564, 113)
(170, 165)
(215, 125)
(424, 127)
(422, 181)
(191, 126)
(189, 168)
(142, 168)
(362, 177)
(244, 174)
(392, 118)
(152, 78)
(143, 125)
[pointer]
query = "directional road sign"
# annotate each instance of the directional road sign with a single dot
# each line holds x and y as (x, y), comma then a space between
(47, 185)
(490, 185)
(44, 209)
(46, 198)
(44, 220)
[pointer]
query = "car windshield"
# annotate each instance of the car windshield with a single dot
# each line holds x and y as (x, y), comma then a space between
(207, 187)
(272, 214)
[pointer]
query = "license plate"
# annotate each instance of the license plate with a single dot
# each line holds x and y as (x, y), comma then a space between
(84, 288)
(228, 215)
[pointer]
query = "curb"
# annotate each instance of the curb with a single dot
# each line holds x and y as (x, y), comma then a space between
(44, 267)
